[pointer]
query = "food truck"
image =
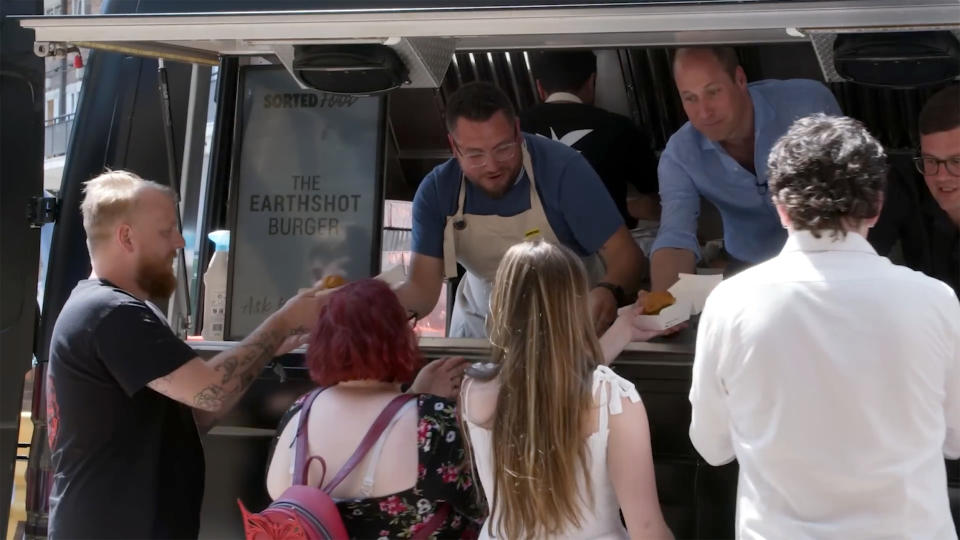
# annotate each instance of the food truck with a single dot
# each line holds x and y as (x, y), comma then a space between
(304, 128)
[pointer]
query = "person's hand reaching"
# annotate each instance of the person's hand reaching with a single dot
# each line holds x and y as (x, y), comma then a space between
(441, 377)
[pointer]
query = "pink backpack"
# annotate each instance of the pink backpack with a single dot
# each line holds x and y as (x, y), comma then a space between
(305, 512)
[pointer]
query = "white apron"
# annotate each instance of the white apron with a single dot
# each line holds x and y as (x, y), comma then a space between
(479, 243)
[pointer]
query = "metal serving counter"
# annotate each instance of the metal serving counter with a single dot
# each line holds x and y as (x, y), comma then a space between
(698, 500)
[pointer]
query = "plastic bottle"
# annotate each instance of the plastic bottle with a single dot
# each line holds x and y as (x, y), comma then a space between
(215, 287)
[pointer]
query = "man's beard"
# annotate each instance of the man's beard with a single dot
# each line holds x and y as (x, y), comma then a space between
(511, 177)
(156, 278)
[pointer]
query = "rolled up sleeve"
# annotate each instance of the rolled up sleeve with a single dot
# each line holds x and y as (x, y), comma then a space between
(680, 201)
(710, 417)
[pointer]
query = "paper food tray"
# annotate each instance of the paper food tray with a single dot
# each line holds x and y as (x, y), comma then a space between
(668, 317)
(695, 289)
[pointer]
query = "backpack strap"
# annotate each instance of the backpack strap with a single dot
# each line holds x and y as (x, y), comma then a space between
(433, 524)
(366, 487)
(300, 459)
(370, 438)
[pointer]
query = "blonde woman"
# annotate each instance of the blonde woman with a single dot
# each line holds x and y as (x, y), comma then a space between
(561, 442)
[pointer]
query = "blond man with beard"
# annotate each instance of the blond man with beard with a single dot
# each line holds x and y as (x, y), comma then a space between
(126, 398)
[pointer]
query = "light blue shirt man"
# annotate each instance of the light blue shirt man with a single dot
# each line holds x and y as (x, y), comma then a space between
(692, 166)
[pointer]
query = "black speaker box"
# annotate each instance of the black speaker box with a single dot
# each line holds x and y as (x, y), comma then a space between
(361, 69)
(897, 59)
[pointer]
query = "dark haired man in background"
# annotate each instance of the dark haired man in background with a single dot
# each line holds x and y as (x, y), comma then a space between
(939, 163)
(830, 374)
(618, 151)
(501, 187)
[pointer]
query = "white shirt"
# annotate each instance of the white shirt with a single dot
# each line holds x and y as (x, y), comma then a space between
(599, 520)
(833, 376)
(562, 97)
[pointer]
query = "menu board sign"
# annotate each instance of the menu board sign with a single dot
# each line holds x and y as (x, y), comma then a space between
(306, 197)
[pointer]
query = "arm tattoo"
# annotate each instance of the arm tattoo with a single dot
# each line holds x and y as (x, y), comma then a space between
(240, 366)
(210, 397)
(228, 367)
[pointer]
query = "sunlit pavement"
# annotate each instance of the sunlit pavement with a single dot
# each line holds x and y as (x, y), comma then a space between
(17, 512)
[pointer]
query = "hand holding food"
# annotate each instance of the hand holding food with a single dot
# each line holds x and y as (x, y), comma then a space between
(650, 303)
(324, 285)
(393, 276)
(333, 281)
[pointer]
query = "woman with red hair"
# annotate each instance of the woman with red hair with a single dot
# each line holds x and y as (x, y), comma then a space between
(362, 350)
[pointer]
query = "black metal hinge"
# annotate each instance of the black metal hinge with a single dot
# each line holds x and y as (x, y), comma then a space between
(42, 210)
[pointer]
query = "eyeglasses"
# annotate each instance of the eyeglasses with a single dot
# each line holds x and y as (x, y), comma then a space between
(501, 153)
(930, 166)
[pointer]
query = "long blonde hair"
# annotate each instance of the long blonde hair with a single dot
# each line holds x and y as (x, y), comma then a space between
(546, 350)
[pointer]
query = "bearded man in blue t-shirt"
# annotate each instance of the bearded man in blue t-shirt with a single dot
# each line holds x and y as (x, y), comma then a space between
(502, 187)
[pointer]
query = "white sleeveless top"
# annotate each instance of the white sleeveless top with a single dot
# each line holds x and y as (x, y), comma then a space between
(602, 519)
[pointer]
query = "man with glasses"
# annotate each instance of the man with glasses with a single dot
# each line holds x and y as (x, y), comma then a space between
(721, 155)
(502, 187)
(939, 163)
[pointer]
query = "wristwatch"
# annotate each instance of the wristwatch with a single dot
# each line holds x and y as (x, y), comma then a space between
(618, 293)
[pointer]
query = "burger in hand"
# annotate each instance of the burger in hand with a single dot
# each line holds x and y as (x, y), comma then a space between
(333, 281)
(654, 302)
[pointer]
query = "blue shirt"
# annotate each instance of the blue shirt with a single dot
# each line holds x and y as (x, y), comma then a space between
(575, 201)
(692, 166)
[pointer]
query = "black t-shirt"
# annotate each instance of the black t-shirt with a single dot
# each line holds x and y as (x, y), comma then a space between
(127, 461)
(929, 240)
(612, 144)
(901, 219)
(944, 246)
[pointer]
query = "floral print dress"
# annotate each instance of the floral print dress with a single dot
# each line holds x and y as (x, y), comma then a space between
(443, 476)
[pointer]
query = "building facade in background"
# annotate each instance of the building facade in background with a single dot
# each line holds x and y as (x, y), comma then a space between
(64, 78)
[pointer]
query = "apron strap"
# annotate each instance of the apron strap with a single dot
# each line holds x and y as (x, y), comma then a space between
(528, 167)
(449, 241)
(534, 196)
(462, 196)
